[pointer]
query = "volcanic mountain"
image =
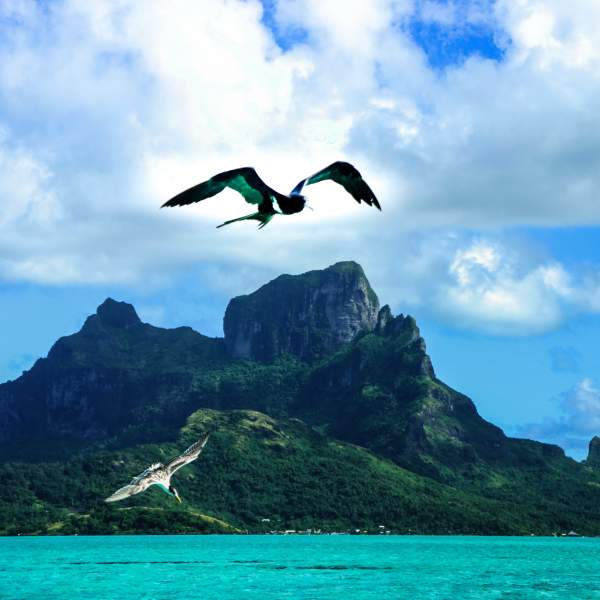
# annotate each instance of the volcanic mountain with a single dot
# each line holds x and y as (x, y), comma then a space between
(325, 410)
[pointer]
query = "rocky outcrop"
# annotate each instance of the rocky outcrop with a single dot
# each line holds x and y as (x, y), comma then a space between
(593, 458)
(308, 316)
(405, 329)
(115, 314)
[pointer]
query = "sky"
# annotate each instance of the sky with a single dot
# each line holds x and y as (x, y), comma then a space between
(475, 123)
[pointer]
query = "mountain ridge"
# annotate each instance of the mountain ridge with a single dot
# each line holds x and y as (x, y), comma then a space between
(119, 383)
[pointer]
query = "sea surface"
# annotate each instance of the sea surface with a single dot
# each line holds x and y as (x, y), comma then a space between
(265, 567)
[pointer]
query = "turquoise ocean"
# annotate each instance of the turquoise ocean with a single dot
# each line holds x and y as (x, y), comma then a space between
(265, 567)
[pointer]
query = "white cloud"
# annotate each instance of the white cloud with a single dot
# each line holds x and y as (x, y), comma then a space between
(25, 184)
(110, 108)
(484, 289)
(553, 33)
(456, 16)
(578, 423)
(498, 285)
(442, 13)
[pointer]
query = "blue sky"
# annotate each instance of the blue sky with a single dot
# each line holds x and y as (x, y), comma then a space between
(475, 122)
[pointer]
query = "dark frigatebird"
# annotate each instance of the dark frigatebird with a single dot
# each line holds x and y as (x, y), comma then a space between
(255, 191)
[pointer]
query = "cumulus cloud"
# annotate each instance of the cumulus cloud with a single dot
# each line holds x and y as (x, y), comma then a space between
(485, 286)
(441, 13)
(24, 183)
(551, 33)
(494, 284)
(107, 109)
(578, 423)
(456, 15)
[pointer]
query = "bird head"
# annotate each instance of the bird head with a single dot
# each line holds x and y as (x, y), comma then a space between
(175, 493)
(302, 201)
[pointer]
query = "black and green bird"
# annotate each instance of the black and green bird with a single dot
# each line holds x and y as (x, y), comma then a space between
(255, 191)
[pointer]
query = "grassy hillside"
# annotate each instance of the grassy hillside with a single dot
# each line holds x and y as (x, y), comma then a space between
(254, 468)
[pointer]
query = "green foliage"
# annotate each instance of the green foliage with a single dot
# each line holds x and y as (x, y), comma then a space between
(255, 468)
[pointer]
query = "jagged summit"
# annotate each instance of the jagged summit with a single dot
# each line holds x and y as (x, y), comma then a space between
(111, 315)
(308, 315)
(117, 314)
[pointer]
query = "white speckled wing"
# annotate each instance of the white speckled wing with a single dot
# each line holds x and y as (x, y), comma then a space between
(125, 492)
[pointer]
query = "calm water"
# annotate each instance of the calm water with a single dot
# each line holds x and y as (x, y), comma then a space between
(264, 567)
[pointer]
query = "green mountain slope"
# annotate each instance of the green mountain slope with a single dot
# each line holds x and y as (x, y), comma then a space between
(255, 468)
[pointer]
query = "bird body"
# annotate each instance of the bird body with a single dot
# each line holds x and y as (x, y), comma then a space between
(255, 191)
(160, 474)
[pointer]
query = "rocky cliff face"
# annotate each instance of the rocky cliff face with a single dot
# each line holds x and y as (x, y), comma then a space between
(308, 316)
(381, 392)
(593, 458)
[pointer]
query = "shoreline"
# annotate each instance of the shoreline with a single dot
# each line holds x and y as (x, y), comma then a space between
(283, 534)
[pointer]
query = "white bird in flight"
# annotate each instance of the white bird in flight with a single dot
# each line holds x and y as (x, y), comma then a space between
(160, 475)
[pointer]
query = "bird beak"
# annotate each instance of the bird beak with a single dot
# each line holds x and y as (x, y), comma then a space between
(178, 498)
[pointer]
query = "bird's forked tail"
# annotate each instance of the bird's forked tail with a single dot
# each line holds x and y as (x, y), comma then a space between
(264, 218)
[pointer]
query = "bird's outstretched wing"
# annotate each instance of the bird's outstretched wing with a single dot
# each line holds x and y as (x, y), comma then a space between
(125, 492)
(348, 177)
(192, 453)
(138, 484)
(245, 181)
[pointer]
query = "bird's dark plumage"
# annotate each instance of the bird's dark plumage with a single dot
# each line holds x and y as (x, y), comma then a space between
(245, 181)
(348, 177)
(255, 191)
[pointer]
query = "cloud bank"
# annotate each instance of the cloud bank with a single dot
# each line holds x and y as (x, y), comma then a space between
(108, 109)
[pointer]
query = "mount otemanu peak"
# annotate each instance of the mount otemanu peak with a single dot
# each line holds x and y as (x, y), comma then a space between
(324, 411)
(255, 191)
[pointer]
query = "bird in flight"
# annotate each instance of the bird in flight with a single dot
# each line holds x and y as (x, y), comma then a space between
(160, 475)
(255, 191)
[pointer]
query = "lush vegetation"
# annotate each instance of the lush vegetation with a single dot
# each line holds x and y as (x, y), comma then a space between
(261, 474)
